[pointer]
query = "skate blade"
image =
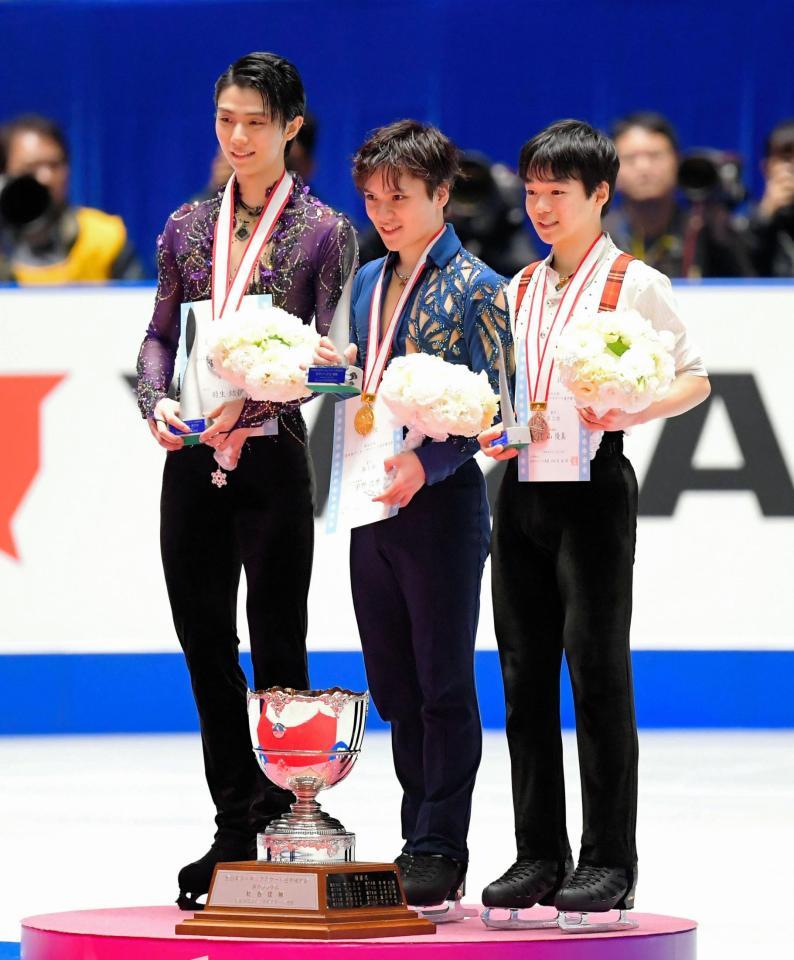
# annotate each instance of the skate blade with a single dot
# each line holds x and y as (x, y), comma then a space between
(573, 922)
(517, 919)
(452, 911)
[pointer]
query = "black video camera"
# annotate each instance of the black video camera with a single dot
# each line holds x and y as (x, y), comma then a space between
(26, 206)
(712, 176)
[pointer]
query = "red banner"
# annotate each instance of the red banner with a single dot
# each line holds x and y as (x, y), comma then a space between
(20, 403)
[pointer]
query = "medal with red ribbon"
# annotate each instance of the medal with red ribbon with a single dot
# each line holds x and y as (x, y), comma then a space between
(379, 348)
(229, 295)
(539, 351)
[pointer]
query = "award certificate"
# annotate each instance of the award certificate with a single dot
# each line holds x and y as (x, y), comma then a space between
(565, 456)
(357, 473)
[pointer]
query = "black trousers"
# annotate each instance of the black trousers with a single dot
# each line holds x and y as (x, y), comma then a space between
(416, 593)
(562, 565)
(262, 521)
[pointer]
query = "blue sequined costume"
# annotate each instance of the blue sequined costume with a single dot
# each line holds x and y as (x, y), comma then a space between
(458, 312)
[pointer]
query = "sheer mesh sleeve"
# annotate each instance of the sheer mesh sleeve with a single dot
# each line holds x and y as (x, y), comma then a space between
(158, 350)
(337, 259)
(488, 330)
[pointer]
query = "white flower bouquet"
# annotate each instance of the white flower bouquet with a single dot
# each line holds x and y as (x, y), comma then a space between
(437, 399)
(264, 351)
(615, 360)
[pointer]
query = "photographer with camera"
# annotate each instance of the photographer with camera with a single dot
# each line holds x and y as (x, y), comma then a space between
(694, 238)
(43, 239)
(771, 231)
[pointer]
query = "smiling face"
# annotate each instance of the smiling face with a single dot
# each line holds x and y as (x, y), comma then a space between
(251, 140)
(560, 210)
(402, 212)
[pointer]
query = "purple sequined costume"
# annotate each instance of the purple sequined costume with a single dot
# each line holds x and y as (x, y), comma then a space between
(304, 267)
(261, 519)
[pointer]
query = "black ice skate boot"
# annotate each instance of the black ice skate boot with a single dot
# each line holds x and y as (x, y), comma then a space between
(434, 885)
(526, 883)
(194, 879)
(403, 863)
(596, 890)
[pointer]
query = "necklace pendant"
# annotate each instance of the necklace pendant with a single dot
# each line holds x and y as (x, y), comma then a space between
(242, 232)
(218, 478)
(364, 420)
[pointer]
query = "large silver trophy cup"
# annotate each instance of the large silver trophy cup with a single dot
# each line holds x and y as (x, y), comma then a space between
(305, 883)
(306, 741)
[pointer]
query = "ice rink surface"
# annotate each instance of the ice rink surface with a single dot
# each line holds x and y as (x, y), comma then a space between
(107, 821)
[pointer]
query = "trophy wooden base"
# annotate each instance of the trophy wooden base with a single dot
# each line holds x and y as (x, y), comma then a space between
(312, 901)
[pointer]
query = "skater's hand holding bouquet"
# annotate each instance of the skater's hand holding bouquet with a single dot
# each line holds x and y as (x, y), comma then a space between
(615, 361)
(264, 351)
(437, 399)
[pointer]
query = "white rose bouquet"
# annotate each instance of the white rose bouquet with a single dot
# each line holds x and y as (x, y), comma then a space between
(438, 399)
(264, 351)
(615, 360)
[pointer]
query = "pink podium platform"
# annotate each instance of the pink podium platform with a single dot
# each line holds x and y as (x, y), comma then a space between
(147, 933)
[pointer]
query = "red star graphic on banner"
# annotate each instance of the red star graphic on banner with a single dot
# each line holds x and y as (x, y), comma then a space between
(20, 399)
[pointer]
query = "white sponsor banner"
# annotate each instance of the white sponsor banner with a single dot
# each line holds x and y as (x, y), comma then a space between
(79, 555)
(716, 575)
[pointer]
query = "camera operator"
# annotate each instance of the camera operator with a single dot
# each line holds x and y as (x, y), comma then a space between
(486, 207)
(771, 230)
(694, 238)
(43, 239)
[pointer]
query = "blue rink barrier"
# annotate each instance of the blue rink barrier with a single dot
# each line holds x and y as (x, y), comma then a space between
(81, 693)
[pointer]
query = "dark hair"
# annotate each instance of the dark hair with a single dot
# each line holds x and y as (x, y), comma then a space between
(571, 150)
(407, 146)
(646, 120)
(33, 123)
(781, 137)
(274, 78)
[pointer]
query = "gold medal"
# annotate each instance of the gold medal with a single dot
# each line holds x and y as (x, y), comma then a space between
(539, 429)
(364, 419)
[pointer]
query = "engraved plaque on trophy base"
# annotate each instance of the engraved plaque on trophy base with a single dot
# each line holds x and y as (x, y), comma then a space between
(312, 901)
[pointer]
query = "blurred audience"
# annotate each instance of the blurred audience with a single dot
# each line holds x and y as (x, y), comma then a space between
(301, 155)
(486, 208)
(43, 238)
(771, 230)
(676, 214)
(220, 171)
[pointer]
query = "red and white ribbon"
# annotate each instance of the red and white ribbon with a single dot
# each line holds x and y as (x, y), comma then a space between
(229, 295)
(379, 349)
(539, 351)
